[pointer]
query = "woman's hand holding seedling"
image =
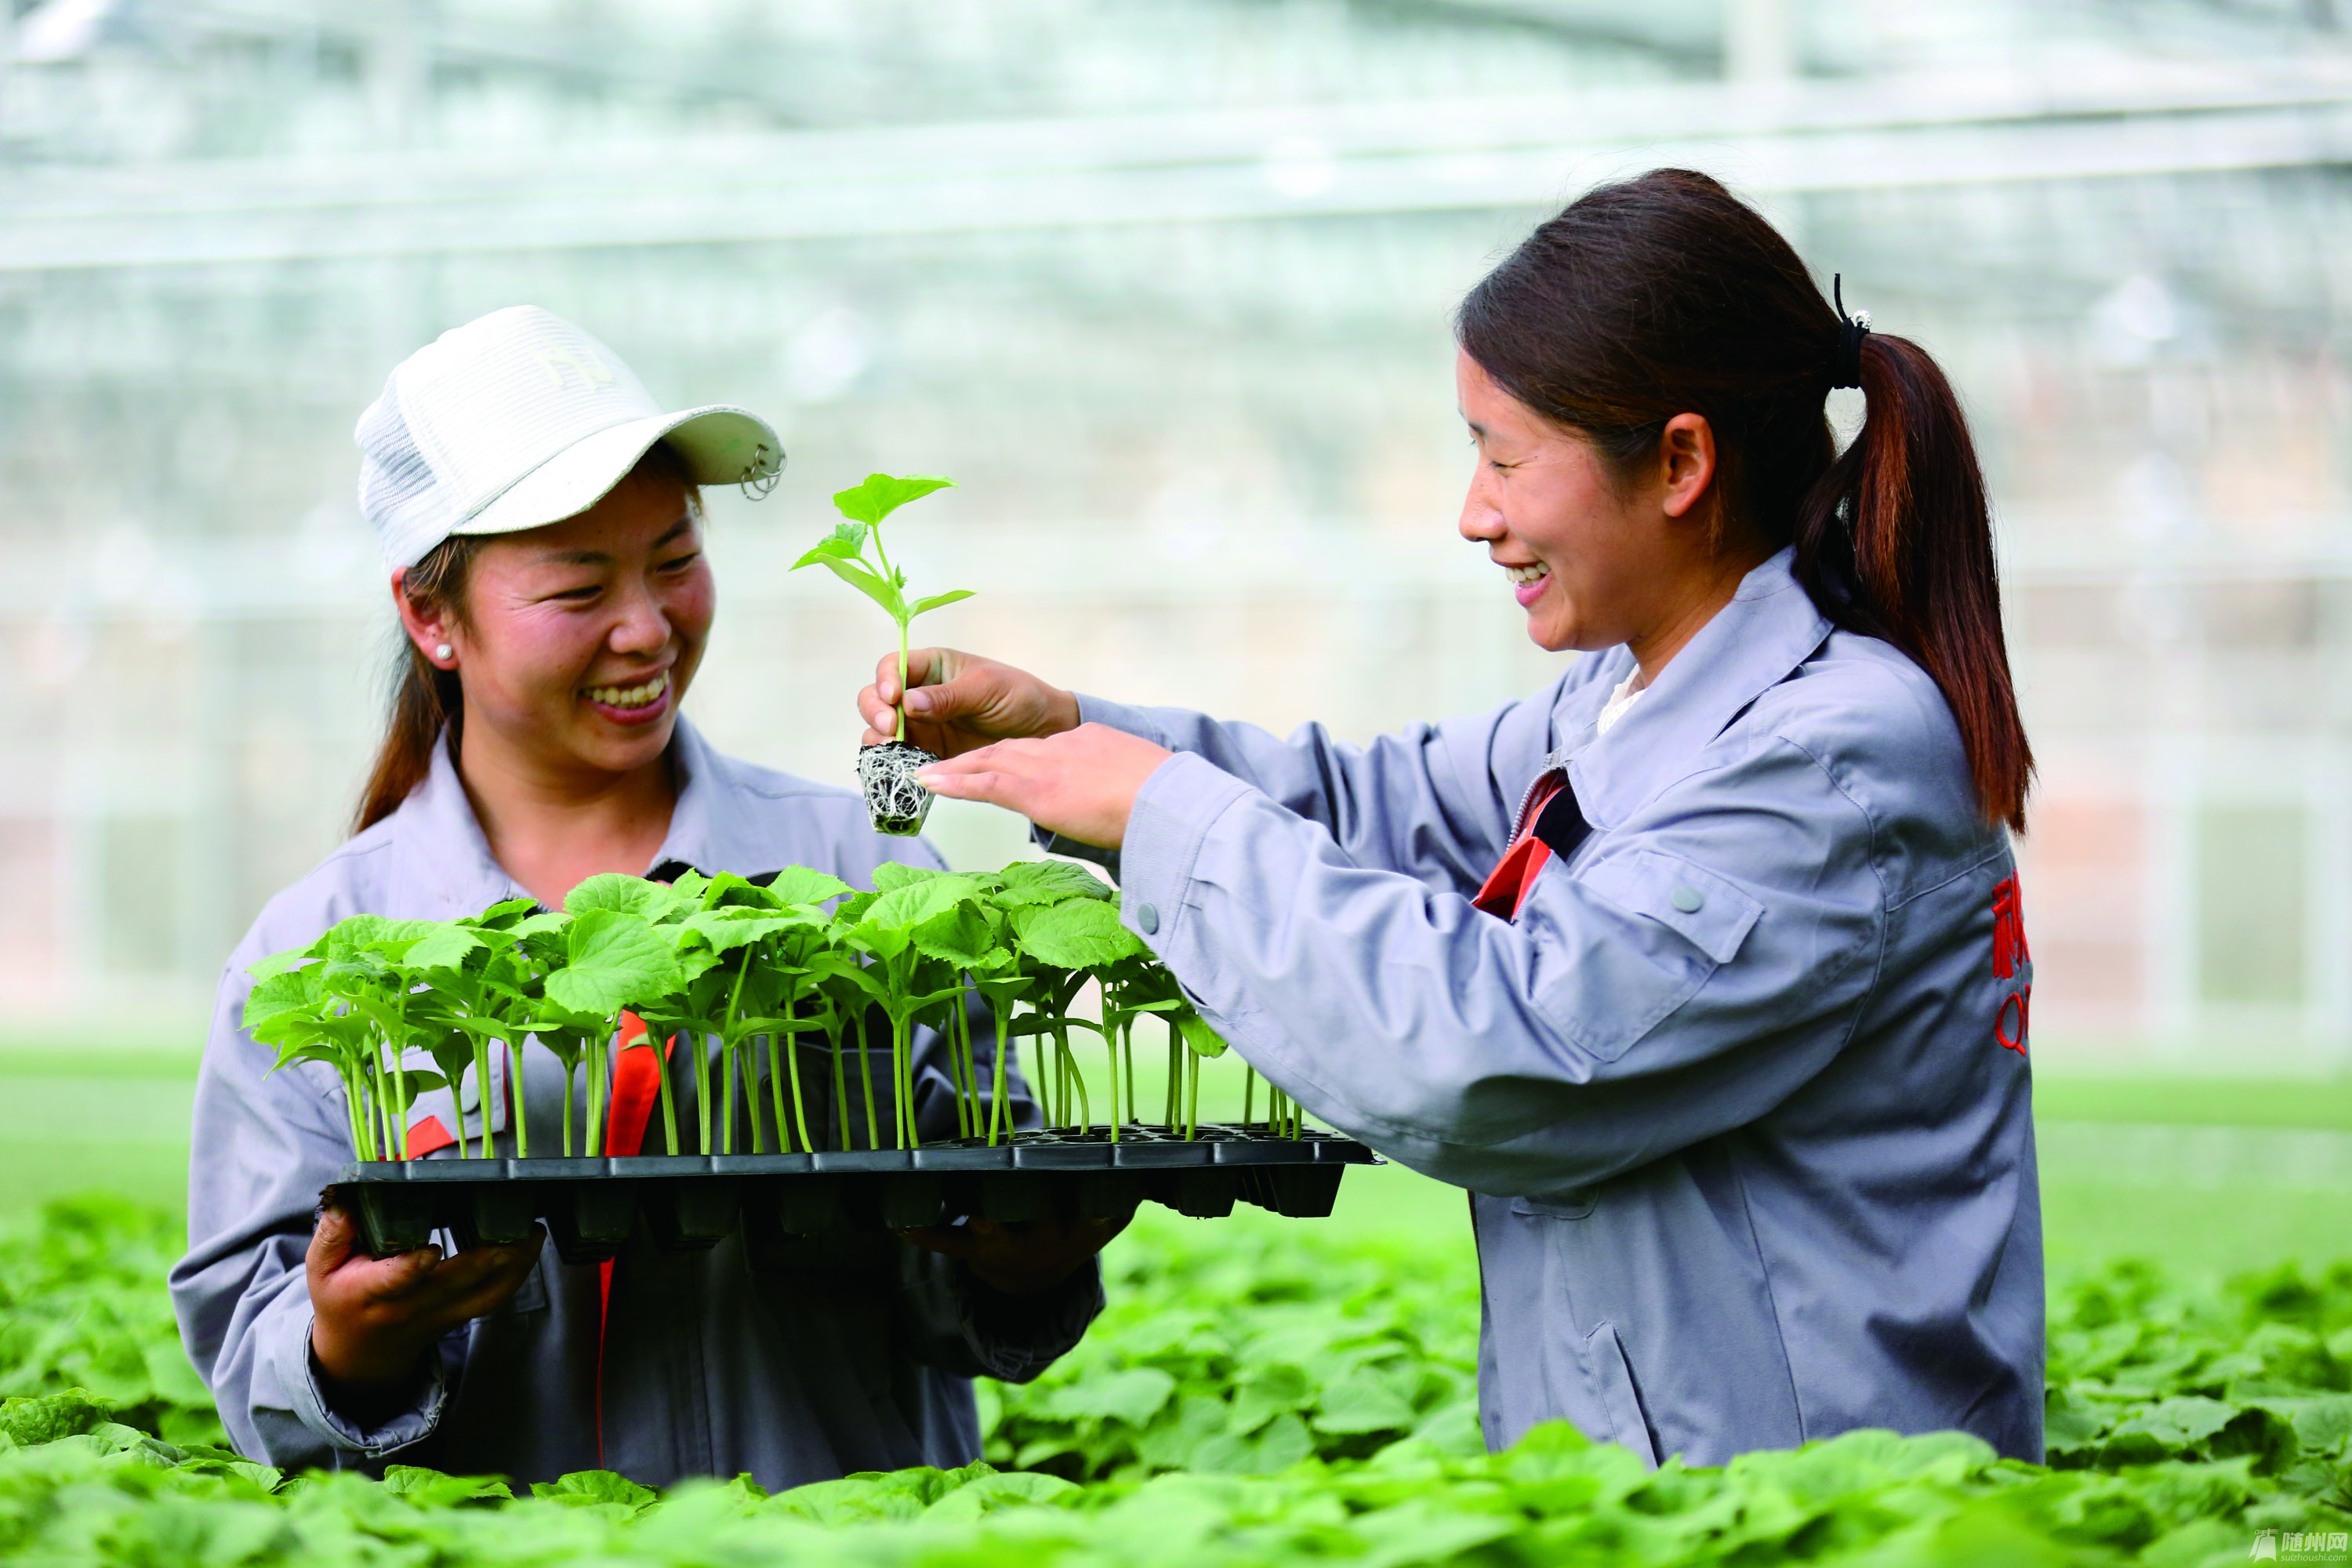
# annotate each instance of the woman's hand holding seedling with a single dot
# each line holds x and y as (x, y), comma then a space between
(1011, 740)
(957, 702)
(1081, 783)
(374, 1318)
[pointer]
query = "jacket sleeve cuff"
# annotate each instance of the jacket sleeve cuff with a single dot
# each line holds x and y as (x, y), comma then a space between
(1121, 716)
(1014, 1338)
(1173, 813)
(299, 1373)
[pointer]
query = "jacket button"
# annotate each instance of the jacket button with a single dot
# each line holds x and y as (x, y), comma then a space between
(1686, 899)
(1147, 919)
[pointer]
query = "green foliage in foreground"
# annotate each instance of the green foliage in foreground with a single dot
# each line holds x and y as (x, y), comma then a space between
(82, 1305)
(1248, 1353)
(102, 1492)
(1255, 1395)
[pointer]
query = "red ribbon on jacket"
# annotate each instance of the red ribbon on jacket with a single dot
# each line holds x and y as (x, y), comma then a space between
(637, 1084)
(1514, 876)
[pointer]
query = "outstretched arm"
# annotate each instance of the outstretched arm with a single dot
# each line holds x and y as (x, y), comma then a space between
(1434, 801)
(1685, 980)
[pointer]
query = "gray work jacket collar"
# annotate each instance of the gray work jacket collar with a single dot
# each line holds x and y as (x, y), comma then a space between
(442, 846)
(1770, 627)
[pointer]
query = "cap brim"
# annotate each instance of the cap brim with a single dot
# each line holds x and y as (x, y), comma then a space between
(719, 445)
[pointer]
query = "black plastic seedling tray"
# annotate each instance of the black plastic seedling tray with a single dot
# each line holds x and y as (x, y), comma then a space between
(690, 1201)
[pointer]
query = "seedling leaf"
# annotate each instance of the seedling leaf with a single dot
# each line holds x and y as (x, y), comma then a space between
(377, 932)
(963, 937)
(1046, 882)
(892, 875)
(280, 963)
(725, 930)
(288, 991)
(903, 907)
(934, 601)
(1199, 1038)
(846, 542)
(611, 890)
(871, 584)
(1076, 933)
(446, 948)
(617, 961)
(799, 885)
(883, 494)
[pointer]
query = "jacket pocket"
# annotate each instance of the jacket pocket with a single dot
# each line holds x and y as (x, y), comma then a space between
(1614, 1387)
(1677, 924)
(1710, 913)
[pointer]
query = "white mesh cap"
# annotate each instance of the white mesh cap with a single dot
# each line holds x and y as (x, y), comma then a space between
(520, 419)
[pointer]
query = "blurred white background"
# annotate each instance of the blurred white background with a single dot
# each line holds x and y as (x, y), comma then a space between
(1166, 287)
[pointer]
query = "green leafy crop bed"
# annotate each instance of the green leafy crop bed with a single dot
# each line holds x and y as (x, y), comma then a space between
(1255, 1395)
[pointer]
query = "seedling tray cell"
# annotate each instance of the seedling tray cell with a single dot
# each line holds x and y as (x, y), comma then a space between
(592, 1208)
(497, 1214)
(1070, 1156)
(1202, 1193)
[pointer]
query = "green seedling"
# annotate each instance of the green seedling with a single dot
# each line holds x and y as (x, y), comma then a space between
(288, 1008)
(1020, 890)
(741, 951)
(1078, 937)
(844, 553)
(725, 964)
(1129, 990)
(613, 961)
(843, 991)
(342, 1000)
(508, 998)
(793, 957)
(470, 977)
(914, 915)
(953, 946)
(1002, 984)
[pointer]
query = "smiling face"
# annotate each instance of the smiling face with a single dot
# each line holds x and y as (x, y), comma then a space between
(579, 638)
(1594, 558)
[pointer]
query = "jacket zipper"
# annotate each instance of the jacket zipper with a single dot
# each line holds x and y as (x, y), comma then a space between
(1519, 821)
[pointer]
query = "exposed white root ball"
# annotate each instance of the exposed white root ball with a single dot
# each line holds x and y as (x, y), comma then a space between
(894, 803)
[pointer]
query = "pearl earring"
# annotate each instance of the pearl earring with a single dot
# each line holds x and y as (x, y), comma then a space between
(443, 651)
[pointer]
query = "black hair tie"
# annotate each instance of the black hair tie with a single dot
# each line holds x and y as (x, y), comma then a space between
(1852, 330)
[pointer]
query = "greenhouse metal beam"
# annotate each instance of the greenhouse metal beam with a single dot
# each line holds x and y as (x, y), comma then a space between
(1226, 166)
(664, 64)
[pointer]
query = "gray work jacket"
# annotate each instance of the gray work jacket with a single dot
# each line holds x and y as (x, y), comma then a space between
(793, 1362)
(1741, 1092)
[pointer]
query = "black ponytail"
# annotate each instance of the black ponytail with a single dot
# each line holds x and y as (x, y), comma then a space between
(1895, 541)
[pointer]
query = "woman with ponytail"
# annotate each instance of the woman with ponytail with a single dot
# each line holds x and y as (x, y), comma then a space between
(1701, 968)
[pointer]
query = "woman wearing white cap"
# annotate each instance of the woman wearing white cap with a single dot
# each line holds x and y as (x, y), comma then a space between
(540, 514)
